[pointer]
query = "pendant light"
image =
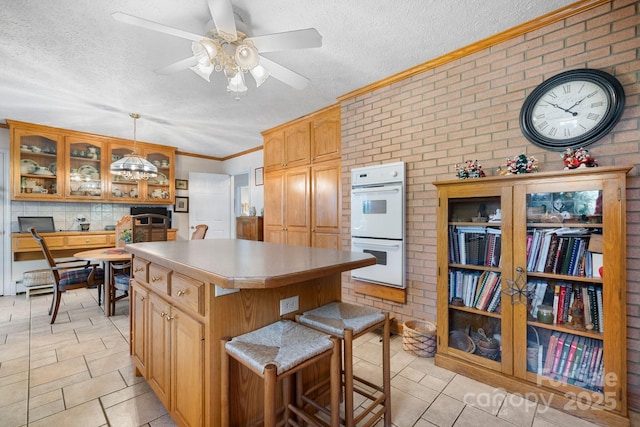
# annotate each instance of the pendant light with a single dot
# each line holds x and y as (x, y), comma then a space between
(133, 167)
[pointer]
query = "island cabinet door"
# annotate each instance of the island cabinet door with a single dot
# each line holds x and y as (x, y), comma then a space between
(159, 361)
(187, 369)
(139, 300)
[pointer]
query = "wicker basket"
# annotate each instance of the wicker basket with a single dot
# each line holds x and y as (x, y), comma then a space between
(37, 278)
(419, 338)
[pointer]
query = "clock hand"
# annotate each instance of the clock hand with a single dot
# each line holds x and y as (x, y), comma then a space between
(577, 103)
(563, 109)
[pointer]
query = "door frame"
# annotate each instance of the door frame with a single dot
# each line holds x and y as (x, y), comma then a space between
(5, 226)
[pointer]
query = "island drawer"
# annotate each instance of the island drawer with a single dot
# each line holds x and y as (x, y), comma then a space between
(188, 292)
(141, 269)
(159, 278)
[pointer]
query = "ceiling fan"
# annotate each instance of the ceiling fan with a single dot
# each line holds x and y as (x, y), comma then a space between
(233, 52)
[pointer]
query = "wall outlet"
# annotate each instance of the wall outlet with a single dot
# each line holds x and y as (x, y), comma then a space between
(288, 305)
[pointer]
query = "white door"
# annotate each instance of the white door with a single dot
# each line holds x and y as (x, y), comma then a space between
(210, 204)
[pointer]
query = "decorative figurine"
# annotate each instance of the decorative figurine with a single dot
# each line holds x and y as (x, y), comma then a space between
(472, 169)
(519, 164)
(577, 315)
(578, 158)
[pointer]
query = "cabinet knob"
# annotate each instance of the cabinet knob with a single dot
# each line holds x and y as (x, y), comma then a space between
(87, 241)
(142, 298)
(181, 292)
(155, 278)
(138, 269)
(162, 314)
(170, 318)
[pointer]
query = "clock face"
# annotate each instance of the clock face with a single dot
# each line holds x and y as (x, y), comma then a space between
(572, 109)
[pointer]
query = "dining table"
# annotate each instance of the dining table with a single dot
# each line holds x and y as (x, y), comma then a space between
(107, 256)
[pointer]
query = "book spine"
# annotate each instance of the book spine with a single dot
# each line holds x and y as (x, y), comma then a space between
(561, 298)
(548, 364)
(570, 360)
(594, 308)
(557, 355)
(600, 310)
(564, 356)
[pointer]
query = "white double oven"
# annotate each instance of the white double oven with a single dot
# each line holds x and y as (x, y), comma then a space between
(377, 222)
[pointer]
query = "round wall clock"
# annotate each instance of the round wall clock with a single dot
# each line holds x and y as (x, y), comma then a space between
(572, 109)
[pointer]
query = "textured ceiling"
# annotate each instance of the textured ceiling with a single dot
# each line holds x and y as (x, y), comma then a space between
(69, 64)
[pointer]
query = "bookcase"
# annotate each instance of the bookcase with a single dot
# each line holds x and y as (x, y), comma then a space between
(531, 287)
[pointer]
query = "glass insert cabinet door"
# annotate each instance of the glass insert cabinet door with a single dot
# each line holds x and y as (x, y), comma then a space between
(159, 188)
(560, 259)
(38, 157)
(84, 159)
(121, 189)
(478, 321)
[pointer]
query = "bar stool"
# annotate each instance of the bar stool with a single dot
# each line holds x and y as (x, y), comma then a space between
(279, 351)
(348, 322)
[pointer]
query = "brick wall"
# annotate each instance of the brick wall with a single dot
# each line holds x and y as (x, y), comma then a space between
(468, 109)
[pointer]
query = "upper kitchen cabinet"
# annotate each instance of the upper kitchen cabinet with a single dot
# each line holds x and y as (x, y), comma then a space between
(325, 135)
(84, 177)
(64, 165)
(36, 158)
(310, 139)
(287, 146)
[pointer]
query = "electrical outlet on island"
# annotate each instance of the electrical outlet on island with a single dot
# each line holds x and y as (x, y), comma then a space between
(288, 305)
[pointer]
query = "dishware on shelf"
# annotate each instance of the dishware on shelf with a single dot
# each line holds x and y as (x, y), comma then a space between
(53, 167)
(87, 170)
(41, 170)
(36, 149)
(28, 166)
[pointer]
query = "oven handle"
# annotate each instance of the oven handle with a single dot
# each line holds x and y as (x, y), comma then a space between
(382, 245)
(375, 190)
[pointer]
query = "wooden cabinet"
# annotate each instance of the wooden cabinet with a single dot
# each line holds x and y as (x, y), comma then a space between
(542, 253)
(65, 243)
(250, 228)
(55, 164)
(302, 181)
(326, 206)
(167, 343)
(287, 207)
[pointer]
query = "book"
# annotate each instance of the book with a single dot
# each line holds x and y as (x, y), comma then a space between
(577, 361)
(548, 364)
(600, 310)
(561, 297)
(556, 301)
(596, 265)
(564, 356)
(496, 297)
(558, 353)
(483, 300)
(553, 251)
(593, 306)
(544, 253)
(570, 359)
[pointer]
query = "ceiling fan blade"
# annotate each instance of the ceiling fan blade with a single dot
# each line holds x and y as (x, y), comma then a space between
(284, 74)
(222, 14)
(298, 39)
(178, 66)
(154, 26)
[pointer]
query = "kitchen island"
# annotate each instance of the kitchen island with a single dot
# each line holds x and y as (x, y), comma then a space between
(186, 295)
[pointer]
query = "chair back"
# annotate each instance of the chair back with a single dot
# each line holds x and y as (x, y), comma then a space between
(149, 228)
(46, 252)
(123, 231)
(200, 232)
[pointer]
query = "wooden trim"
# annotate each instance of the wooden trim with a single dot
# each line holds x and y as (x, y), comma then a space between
(383, 292)
(300, 119)
(220, 159)
(4, 125)
(542, 21)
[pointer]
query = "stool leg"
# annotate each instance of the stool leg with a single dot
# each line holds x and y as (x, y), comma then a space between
(386, 370)
(224, 384)
(270, 382)
(336, 381)
(348, 377)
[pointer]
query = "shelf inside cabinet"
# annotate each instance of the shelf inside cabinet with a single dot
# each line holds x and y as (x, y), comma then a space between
(564, 277)
(561, 328)
(475, 311)
(37, 176)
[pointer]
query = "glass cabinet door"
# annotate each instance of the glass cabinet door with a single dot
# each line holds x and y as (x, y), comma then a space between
(38, 155)
(84, 159)
(159, 189)
(121, 189)
(477, 319)
(560, 256)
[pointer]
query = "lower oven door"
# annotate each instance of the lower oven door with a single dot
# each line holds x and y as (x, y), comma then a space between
(389, 268)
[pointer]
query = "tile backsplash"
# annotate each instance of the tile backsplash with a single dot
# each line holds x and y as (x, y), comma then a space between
(65, 214)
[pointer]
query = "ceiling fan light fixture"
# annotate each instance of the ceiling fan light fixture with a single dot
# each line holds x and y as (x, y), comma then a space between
(133, 167)
(247, 56)
(203, 71)
(236, 83)
(260, 74)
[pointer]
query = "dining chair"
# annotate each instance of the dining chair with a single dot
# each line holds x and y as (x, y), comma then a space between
(200, 232)
(144, 228)
(68, 274)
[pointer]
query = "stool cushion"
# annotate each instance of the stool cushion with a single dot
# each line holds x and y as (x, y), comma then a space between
(335, 317)
(72, 277)
(284, 344)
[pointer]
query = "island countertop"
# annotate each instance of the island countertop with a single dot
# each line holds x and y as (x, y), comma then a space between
(245, 264)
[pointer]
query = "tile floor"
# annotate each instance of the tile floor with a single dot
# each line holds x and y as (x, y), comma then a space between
(77, 372)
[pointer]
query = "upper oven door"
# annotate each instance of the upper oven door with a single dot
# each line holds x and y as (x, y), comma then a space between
(377, 212)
